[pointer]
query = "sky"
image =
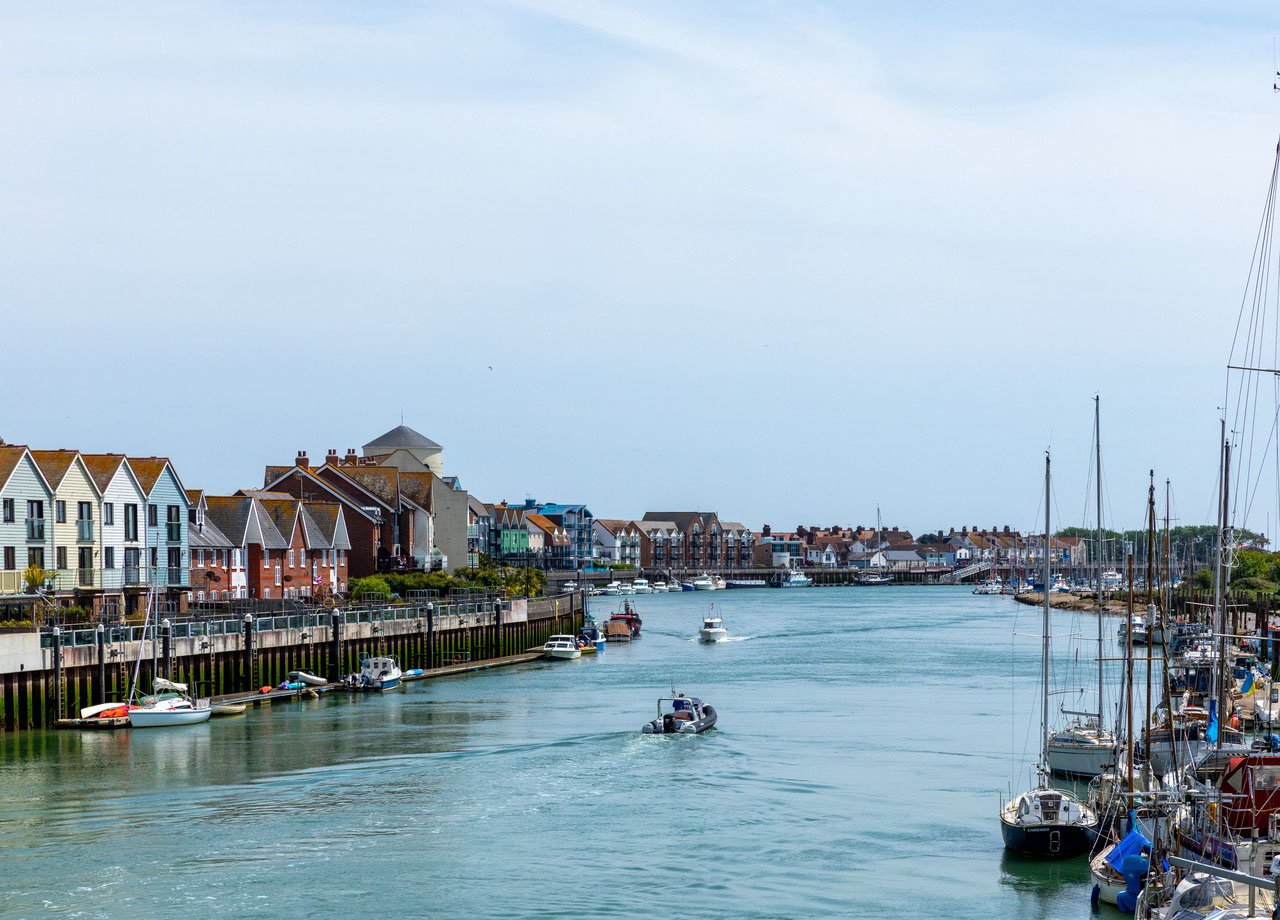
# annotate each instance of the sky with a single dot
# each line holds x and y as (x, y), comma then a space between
(790, 262)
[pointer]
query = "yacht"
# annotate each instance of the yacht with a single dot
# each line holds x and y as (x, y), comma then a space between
(1083, 749)
(713, 629)
(628, 590)
(718, 582)
(1111, 580)
(796, 579)
(704, 583)
(377, 674)
(660, 587)
(874, 578)
(681, 715)
(169, 708)
(561, 647)
(612, 589)
(641, 586)
(989, 587)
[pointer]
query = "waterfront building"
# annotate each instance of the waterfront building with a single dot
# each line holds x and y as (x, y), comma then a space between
(165, 527)
(76, 500)
(576, 522)
(739, 545)
(212, 571)
(26, 499)
(122, 538)
(513, 534)
(779, 549)
(364, 513)
(481, 532)
(705, 542)
(659, 543)
(615, 542)
(554, 539)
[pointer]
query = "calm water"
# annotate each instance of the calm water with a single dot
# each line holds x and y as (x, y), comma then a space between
(863, 742)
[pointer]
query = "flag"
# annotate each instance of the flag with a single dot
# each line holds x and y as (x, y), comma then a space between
(1248, 682)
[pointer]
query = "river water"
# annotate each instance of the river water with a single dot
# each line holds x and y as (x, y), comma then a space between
(864, 740)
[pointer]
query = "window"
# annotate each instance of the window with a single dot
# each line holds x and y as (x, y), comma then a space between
(266, 558)
(60, 557)
(35, 511)
(108, 513)
(235, 558)
(84, 511)
(35, 556)
(131, 522)
(173, 523)
(60, 513)
(153, 516)
(8, 510)
(109, 557)
(10, 558)
(278, 582)
(155, 557)
(324, 557)
(291, 557)
(217, 557)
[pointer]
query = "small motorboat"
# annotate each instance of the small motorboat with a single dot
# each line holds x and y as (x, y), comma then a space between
(661, 587)
(681, 715)
(220, 710)
(592, 635)
(713, 629)
(310, 680)
(562, 647)
(612, 589)
(704, 583)
(995, 586)
(797, 579)
(376, 674)
(718, 582)
(628, 618)
(641, 586)
(687, 586)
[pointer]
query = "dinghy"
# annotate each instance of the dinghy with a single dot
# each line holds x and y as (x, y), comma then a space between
(681, 715)
(309, 679)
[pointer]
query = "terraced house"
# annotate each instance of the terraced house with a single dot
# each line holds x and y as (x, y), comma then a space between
(76, 499)
(123, 542)
(25, 499)
(168, 540)
(705, 542)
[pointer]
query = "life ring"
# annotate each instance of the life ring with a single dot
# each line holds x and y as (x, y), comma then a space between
(328, 603)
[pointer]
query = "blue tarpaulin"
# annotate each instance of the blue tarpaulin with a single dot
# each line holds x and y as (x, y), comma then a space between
(1211, 732)
(1132, 844)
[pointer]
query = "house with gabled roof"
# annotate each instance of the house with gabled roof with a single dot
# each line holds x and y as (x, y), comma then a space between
(76, 498)
(168, 543)
(368, 519)
(212, 570)
(26, 498)
(616, 542)
(123, 540)
(661, 542)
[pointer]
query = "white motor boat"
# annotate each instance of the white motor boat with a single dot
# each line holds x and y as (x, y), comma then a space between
(704, 583)
(994, 586)
(641, 586)
(1111, 580)
(718, 582)
(796, 579)
(612, 589)
(377, 674)
(562, 647)
(569, 587)
(660, 587)
(713, 630)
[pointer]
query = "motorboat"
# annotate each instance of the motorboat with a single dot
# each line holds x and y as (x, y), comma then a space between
(612, 589)
(641, 586)
(873, 578)
(625, 589)
(378, 674)
(661, 587)
(687, 586)
(994, 586)
(562, 647)
(713, 629)
(719, 582)
(1059, 584)
(1111, 580)
(628, 619)
(704, 583)
(796, 579)
(681, 715)
(569, 587)
(1048, 822)
(592, 635)
(746, 583)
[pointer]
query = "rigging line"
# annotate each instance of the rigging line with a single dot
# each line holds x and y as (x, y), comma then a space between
(1275, 166)
(1253, 495)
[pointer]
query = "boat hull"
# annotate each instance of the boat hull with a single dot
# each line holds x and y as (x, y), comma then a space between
(1080, 759)
(563, 654)
(1046, 841)
(310, 680)
(713, 635)
(167, 718)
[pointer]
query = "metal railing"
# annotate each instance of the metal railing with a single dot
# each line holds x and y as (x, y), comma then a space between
(35, 529)
(481, 611)
(84, 578)
(84, 531)
(174, 531)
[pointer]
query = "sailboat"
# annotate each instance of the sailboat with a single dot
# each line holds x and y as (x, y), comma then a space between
(1085, 747)
(170, 705)
(875, 574)
(1045, 821)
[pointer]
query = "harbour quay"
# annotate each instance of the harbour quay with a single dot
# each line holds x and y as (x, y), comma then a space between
(50, 675)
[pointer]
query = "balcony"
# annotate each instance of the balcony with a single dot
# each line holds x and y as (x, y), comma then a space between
(84, 577)
(175, 576)
(132, 575)
(174, 531)
(35, 529)
(84, 531)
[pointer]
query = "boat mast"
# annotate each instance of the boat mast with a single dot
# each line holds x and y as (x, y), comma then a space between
(1128, 661)
(1151, 571)
(1097, 444)
(1224, 472)
(1168, 563)
(1044, 645)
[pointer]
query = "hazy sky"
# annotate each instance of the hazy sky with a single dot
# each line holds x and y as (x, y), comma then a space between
(780, 260)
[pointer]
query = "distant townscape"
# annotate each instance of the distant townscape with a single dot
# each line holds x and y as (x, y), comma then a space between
(99, 530)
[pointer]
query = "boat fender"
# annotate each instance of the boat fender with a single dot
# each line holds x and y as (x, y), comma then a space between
(1235, 720)
(264, 689)
(1094, 895)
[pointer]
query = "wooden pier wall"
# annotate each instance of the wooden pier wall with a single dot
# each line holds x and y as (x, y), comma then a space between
(37, 692)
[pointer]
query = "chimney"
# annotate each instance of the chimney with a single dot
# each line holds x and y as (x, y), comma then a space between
(352, 458)
(331, 458)
(302, 460)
